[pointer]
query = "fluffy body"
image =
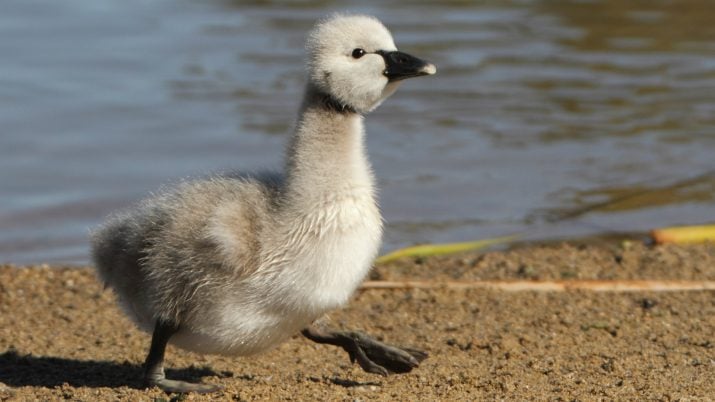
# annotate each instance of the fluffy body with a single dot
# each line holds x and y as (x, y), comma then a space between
(235, 265)
(244, 263)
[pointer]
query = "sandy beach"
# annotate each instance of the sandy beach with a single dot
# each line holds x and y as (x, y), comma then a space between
(63, 338)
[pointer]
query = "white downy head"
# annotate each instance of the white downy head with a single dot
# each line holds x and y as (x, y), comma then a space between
(353, 58)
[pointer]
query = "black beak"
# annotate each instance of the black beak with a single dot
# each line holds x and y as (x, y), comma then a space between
(399, 66)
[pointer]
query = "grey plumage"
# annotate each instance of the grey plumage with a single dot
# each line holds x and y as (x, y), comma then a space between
(237, 264)
(161, 255)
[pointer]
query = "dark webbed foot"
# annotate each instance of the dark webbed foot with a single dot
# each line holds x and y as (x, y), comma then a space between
(154, 365)
(379, 358)
(372, 355)
(170, 386)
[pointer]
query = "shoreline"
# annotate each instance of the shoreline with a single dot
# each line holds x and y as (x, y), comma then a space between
(62, 336)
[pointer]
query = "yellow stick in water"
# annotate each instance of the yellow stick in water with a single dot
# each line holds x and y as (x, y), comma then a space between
(425, 250)
(684, 234)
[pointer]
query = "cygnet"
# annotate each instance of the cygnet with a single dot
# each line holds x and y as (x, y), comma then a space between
(235, 265)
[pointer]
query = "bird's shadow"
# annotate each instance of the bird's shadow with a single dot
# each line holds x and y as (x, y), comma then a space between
(41, 371)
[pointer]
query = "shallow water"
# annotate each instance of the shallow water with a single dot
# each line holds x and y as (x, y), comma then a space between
(548, 118)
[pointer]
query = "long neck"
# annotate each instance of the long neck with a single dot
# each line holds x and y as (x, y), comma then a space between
(326, 155)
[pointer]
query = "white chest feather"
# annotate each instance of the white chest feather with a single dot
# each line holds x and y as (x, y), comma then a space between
(334, 246)
(337, 257)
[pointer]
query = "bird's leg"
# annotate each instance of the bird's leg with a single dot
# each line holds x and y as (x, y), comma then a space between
(372, 355)
(154, 364)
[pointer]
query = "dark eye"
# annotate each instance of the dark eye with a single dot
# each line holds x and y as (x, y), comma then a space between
(358, 53)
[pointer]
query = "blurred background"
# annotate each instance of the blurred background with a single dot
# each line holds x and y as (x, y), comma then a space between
(550, 118)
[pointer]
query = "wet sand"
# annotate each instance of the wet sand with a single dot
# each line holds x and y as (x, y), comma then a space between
(62, 336)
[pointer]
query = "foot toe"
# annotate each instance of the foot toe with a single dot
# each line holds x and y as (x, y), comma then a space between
(389, 358)
(175, 386)
(419, 355)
